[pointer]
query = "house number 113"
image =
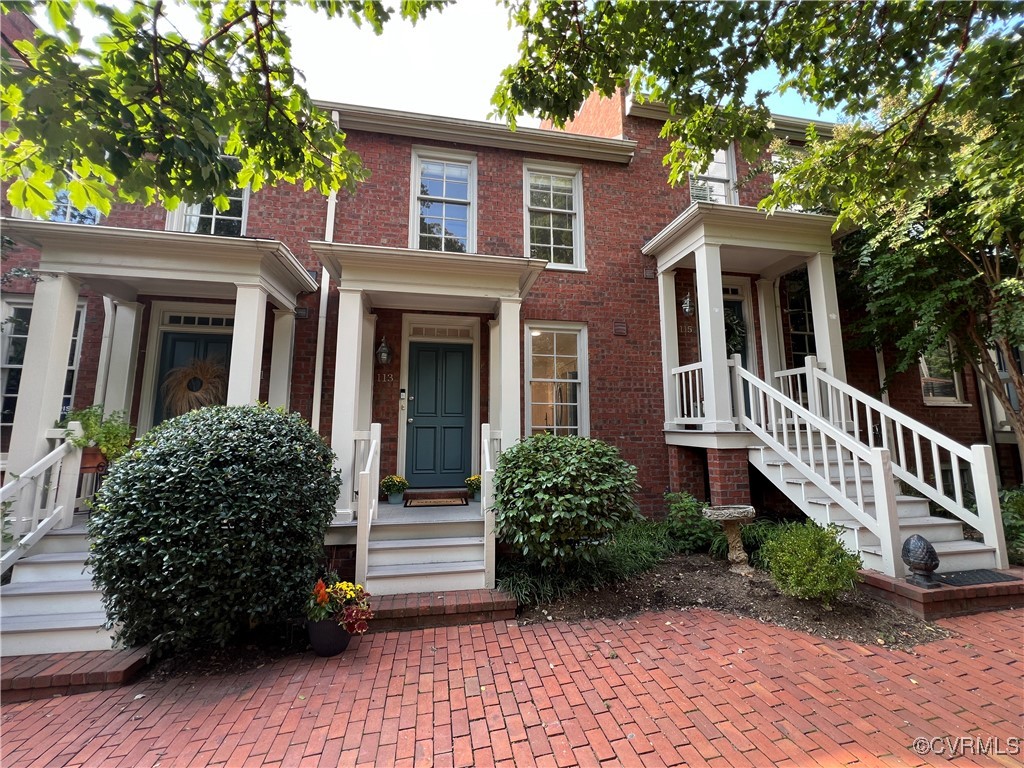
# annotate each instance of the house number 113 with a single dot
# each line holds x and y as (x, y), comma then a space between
(382, 377)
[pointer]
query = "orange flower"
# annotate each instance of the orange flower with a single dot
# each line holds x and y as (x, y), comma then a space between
(320, 590)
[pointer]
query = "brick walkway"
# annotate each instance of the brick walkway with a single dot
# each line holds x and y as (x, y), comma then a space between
(674, 688)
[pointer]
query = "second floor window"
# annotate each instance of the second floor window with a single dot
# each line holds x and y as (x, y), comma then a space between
(64, 211)
(940, 380)
(206, 219)
(444, 216)
(717, 183)
(553, 216)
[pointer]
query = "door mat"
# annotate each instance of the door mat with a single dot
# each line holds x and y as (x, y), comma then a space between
(450, 501)
(971, 578)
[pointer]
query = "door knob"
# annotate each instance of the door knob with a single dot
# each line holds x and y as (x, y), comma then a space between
(410, 421)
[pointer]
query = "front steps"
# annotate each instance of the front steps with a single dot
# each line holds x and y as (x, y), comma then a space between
(425, 549)
(50, 605)
(946, 535)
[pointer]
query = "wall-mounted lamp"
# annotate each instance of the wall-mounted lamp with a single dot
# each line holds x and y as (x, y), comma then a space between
(383, 353)
(687, 305)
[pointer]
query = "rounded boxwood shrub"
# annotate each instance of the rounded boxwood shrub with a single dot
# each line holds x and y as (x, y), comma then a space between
(212, 523)
(558, 498)
(810, 562)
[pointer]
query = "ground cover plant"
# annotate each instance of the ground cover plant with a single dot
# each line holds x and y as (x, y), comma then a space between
(213, 523)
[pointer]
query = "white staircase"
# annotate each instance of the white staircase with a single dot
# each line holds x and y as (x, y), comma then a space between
(425, 549)
(50, 605)
(913, 516)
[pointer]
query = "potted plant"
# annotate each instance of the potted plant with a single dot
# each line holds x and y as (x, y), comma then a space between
(104, 439)
(336, 610)
(473, 486)
(394, 487)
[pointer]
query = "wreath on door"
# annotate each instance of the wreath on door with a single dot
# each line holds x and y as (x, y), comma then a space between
(195, 385)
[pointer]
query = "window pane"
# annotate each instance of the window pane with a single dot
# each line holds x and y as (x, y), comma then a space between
(457, 190)
(16, 351)
(430, 243)
(228, 227)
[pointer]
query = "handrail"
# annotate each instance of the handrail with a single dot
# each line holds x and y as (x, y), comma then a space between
(914, 449)
(369, 496)
(490, 448)
(822, 453)
(689, 394)
(52, 502)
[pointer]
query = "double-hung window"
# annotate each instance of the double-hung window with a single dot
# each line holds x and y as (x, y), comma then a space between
(940, 380)
(554, 215)
(717, 182)
(444, 202)
(206, 219)
(17, 317)
(556, 373)
(64, 211)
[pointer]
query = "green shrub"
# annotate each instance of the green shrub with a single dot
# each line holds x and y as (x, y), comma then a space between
(558, 498)
(212, 523)
(1012, 503)
(634, 548)
(687, 526)
(809, 562)
(754, 536)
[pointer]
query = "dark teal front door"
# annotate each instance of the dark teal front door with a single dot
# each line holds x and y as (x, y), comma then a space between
(178, 350)
(439, 440)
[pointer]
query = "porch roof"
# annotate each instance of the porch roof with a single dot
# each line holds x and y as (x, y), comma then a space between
(750, 240)
(404, 278)
(124, 263)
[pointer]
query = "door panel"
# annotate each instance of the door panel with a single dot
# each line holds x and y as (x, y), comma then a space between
(178, 350)
(440, 428)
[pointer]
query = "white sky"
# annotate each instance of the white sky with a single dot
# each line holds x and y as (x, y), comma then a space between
(448, 64)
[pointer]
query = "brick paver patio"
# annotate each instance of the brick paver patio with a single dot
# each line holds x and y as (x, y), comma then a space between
(663, 689)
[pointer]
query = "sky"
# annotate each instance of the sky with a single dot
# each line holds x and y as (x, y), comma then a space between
(448, 64)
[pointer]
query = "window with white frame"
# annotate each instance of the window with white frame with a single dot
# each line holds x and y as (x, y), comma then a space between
(206, 219)
(940, 380)
(717, 182)
(64, 211)
(554, 215)
(444, 202)
(556, 377)
(14, 337)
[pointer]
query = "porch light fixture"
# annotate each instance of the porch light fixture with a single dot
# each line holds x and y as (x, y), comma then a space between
(383, 354)
(687, 306)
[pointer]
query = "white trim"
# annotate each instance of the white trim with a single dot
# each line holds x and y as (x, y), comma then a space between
(579, 263)
(159, 310)
(583, 357)
(439, 321)
(730, 180)
(421, 153)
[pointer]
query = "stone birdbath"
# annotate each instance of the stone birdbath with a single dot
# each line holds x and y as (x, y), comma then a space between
(732, 517)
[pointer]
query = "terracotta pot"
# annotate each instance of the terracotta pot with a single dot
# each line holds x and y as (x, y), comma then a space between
(328, 637)
(93, 460)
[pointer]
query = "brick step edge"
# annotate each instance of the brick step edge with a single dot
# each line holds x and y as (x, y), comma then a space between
(43, 676)
(946, 601)
(434, 609)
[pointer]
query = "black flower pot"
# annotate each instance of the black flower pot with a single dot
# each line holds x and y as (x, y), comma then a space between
(328, 637)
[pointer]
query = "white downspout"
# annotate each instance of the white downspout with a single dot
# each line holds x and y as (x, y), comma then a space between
(103, 364)
(321, 327)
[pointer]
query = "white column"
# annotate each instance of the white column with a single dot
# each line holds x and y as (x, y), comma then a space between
(828, 333)
(713, 352)
(279, 394)
(247, 344)
(124, 355)
(511, 371)
(494, 374)
(44, 370)
(364, 409)
(668, 314)
(347, 358)
(771, 337)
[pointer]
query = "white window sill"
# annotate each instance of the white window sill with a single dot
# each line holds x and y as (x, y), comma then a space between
(947, 404)
(565, 268)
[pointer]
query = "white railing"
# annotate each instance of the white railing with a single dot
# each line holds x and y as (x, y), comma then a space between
(689, 395)
(920, 455)
(42, 497)
(490, 449)
(367, 459)
(828, 457)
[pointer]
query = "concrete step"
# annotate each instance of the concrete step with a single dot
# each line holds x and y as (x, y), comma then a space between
(53, 566)
(26, 598)
(405, 530)
(906, 506)
(441, 550)
(424, 577)
(953, 556)
(54, 633)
